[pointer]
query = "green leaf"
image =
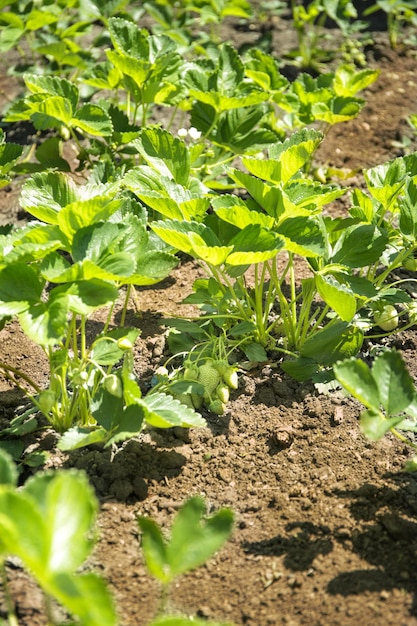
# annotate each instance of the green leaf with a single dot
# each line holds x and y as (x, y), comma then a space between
(51, 113)
(358, 380)
(395, 385)
(8, 470)
(337, 296)
(44, 195)
(374, 425)
(105, 350)
(9, 153)
(97, 241)
(233, 210)
(213, 255)
(360, 246)
(236, 130)
(222, 103)
(151, 268)
(45, 322)
(127, 38)
(255, 352)
(338, 109)
(301, 369)
(154, 549)
(194, 539)
(33, 243)
(179, 234)
(335, 341)
(106, 409)
(77, 437)
(294, 153)
(86, 296)
(79, 214)
(230, 70)
(310, 194)
(267, 197)
(68, 525)
(164, 411)
(254, 244)
(137, 69)
(20, 288)
(93, 119)
(167, 154)
(85, 596)
(263, 69)
(303, 236)
(53, 86)
(49, 155)
(408, 210)
(12, 447)
(22, 529)
(348, 81)
(129, 424)
(387, 180)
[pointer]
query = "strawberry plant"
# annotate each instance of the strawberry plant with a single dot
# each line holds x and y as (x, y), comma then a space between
(350, 259)
(308, 21)
(49, 525)
(9, 155)
(177, 20)
(194, 538)
(205, 377)
(54, 275)
(388, 393)
(398, 12)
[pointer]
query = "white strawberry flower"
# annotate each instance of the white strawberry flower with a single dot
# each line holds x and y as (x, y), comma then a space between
(194, 133)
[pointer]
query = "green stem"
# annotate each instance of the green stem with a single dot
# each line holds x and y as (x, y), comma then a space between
(293, 302)
(219, 276)
(402, 438)
(125, 305)
(8, 368)
(212, 125)
(83, 346)
(109, 317)
(163, 600)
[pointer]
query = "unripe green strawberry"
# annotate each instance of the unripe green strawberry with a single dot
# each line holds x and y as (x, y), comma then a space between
(230, 378)
(221, 366)
(411, 263)
(79, 377)
(46, 400)
(387, 318)
(191, 373)
(113, 385)
(223, 393)
(185, 398)
(208, 377)
(124, 343)
(217, 407)
(65, 133)
(197, 400)
(412, 312)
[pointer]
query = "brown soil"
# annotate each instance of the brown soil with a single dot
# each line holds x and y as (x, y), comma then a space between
(326, 530)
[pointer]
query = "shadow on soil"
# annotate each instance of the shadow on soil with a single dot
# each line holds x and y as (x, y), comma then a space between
(386, 537)
(382, 534)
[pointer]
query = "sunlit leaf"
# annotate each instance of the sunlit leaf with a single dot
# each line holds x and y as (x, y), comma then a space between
(395, 385)
(357, 378)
